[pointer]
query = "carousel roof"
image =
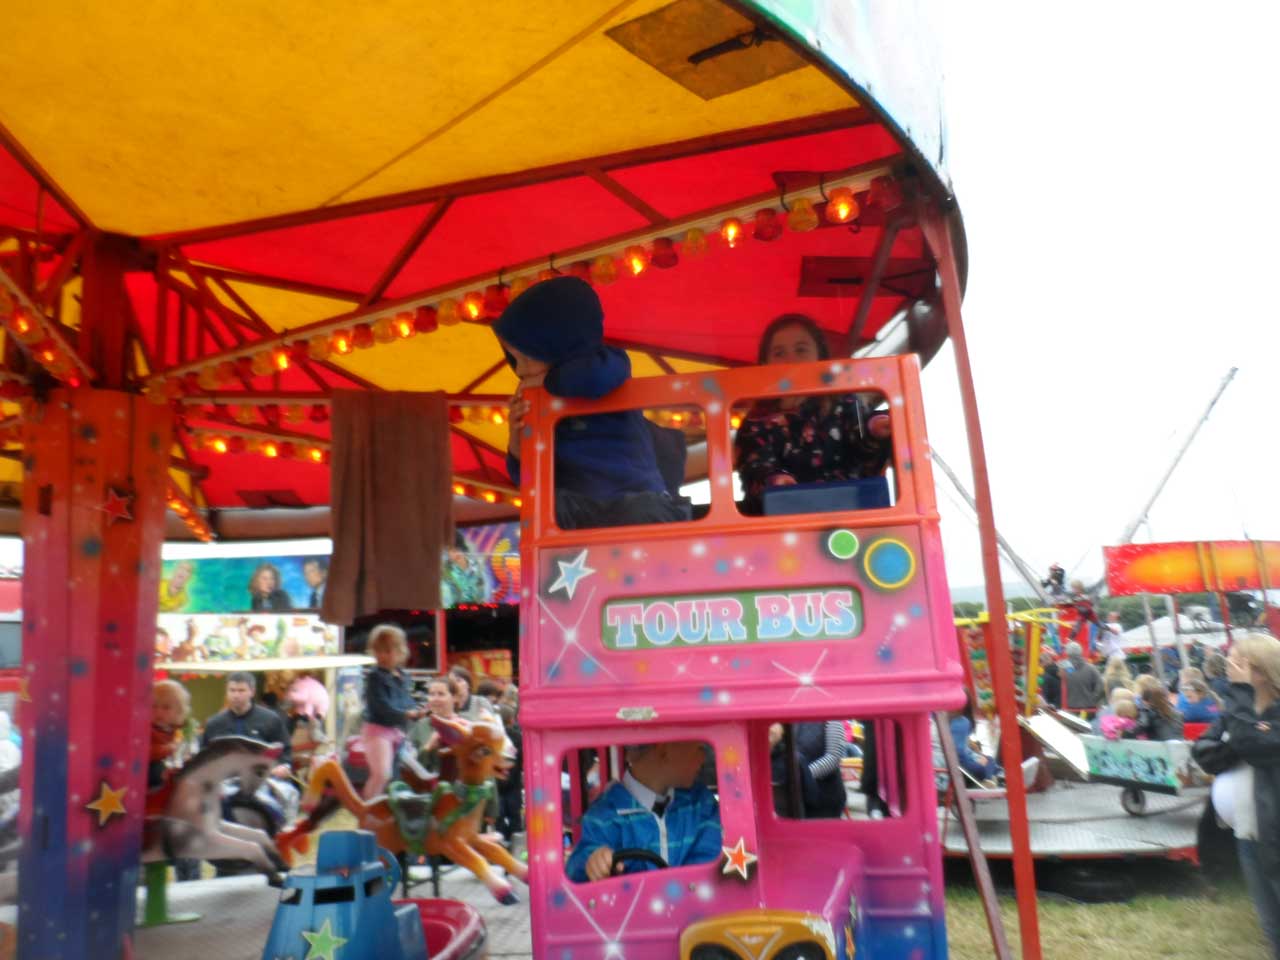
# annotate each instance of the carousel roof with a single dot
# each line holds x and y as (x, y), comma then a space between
(369, 172)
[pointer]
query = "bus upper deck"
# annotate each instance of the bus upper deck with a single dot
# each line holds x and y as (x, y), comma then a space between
(735, 616)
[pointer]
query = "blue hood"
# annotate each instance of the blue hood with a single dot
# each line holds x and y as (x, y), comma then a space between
(553, 321)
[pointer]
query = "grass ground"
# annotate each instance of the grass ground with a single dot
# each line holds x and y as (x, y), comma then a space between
(1173, 915)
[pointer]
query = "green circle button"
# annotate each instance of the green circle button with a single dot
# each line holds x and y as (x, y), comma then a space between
(843, 544)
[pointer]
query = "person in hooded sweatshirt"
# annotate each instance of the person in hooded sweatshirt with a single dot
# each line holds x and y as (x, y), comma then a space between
(607, 470)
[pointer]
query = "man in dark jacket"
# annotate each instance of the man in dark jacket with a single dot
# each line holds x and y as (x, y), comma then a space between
(1051, 687)
(244, 718)
(1085, 689)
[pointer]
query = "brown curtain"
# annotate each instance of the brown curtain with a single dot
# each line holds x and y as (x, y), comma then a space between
(392, 504)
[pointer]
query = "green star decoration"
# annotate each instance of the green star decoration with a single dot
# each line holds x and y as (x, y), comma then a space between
(324, 945)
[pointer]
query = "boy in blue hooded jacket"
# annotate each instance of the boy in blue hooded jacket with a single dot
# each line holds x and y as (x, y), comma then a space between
(658, 806)
(606, 465)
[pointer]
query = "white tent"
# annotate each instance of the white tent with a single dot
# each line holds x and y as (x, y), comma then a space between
(1208, 632)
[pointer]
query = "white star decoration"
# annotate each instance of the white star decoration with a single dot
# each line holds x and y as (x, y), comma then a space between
(569, 635)
(570, 573)
(612, 945)
(804, 681)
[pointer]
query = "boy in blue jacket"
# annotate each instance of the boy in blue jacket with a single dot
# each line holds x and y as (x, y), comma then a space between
(606, 468)
(658, 806)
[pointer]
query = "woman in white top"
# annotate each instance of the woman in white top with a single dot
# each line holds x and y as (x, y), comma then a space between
(1243, 749)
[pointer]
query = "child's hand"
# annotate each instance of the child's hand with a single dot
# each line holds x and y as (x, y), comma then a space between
(781, 480)
(517, 410)
(598, 864)
(878, 426)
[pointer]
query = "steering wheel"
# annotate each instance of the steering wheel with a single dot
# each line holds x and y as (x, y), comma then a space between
(636, 853)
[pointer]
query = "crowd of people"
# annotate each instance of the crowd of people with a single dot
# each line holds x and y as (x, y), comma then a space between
(1237, 695)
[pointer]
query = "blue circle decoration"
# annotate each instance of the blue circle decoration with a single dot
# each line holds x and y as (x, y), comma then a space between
(884, 652)
(722, 567)
(889, 564)
(559, 899)
(917, 610)
(589, 666)
(91, 547)
(673, 890)
(706, 694)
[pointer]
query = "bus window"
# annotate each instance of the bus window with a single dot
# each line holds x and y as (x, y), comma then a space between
(625, 468)
(829, 769)
(660, 812)
(813, 454)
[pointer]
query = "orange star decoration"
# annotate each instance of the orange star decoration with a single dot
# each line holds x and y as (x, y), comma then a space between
(119, 506)
(109, 803)
(737, 859)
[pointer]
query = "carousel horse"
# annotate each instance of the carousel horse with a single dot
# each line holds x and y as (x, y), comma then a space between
(189, 822)
(444, 820)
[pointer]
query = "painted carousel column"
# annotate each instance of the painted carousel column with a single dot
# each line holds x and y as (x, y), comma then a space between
(94, 496)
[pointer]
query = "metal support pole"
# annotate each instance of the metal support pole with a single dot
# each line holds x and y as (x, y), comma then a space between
(938, 236)
(1226, 615)
(1171, 605)
(878, 265)
(442, 641)
(1157, 662)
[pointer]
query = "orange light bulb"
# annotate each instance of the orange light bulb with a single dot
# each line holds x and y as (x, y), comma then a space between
(735, 421)
(270, 449)
(731, 231)
(281, 358)
(404, 325)
(316, 455)
(473, 306)
(841, 206)
(489, 496)
(517, 502)
(459, 490)
(498, 417)
(21, 323)
(218, 445)
(341, 342)
(636, 259)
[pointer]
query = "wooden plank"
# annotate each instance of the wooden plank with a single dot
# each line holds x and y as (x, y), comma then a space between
(635, 202)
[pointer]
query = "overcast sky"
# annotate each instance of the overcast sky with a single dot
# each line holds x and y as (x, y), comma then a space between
(1115, 164)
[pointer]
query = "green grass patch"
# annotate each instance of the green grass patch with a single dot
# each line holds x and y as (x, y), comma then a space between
(1215, 925)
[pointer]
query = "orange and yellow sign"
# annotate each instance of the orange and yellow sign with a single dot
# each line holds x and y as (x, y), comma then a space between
(1215, 566)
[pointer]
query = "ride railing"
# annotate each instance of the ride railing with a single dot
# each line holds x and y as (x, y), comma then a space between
(731, 615)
